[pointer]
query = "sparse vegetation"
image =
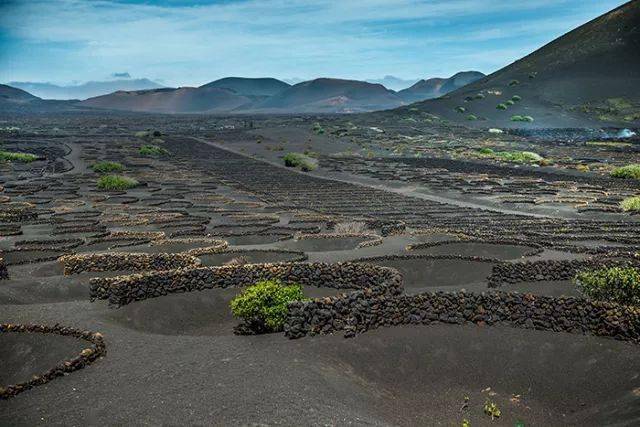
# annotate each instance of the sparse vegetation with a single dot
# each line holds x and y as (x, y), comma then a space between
(152, 150)
(318, 129)
(472, 117)
(263, 306)
(501, 106)
(519, 156)
(301, 161)
(479, 96)
(518, 118)
(514, 82)
(116, 182)
(460, 109)
(631, 204)
(491, 409)
(9, 156)
(615, 284)
(510, 102)
(516, 98)
(627, 172)
(106, 167)
(486, 151)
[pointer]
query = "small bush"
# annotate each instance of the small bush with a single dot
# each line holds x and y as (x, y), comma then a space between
(501, 106)
(628, 172)
(516, 98)
(510, 102)
(479, 96)
(631, 204)
(152, 150)
(472, 117)
(263, 306)
(301, 161)
(460, 109)
(105, 167)
(318, 129)
(116, 182)
(486, 151)
(519, 156)
(142, 134)
(9, 156)
(514, 82)
(615, 284)
(517, 118)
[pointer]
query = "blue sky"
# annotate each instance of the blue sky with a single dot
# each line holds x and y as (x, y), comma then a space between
(191, 42)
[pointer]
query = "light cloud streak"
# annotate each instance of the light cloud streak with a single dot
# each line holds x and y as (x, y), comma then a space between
(190, 43)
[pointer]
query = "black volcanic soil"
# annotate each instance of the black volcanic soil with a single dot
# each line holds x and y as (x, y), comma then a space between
(175, 360)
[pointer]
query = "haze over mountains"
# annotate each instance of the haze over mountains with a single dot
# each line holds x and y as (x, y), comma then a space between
(84, 90)
(590, 75)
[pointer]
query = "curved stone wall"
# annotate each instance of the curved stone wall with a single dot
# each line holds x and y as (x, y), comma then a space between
(86, 357)
(357, 314)
(368, 278)
(124, 261)
(548, 270)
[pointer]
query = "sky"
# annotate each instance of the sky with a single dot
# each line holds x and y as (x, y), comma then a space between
(192, 42)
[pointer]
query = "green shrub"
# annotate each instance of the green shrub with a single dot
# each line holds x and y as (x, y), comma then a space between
(516, 98)
(510, 102)
(264, 306)
(628, 171)
(116, 182)
(472, 117)
(317, 128)
(631, 204)
(479, 96)
(519, 156)
(142, 134)
(460, 109)
(299, 160)
(486, 151)
(105, 167)
(518, 118)
(615, 284)
(9, 156)
(514, 82)
(501, 106)
(152, 150)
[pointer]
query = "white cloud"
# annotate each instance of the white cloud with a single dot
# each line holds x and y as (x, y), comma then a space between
(192, 45)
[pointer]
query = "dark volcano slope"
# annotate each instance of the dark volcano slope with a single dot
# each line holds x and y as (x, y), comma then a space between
(332, 95)
(250, 87)
(181, 100)
(436, 87)
(588, 77)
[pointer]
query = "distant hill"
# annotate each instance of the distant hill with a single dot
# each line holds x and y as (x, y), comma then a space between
(85, 90)
(17, 100)
(332, 95)
(169, 100)
(436, 87)
(394, 83)
(588, 77)
(250, 87)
